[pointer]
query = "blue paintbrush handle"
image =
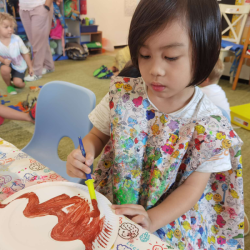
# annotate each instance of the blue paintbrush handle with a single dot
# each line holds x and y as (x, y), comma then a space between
(84, 154)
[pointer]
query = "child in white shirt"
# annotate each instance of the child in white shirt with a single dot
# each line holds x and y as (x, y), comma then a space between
(14, 56)
(214, 92)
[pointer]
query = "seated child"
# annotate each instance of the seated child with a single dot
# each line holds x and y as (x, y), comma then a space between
(214, 92)
(120, 60)
(171, 160)
(13, 55)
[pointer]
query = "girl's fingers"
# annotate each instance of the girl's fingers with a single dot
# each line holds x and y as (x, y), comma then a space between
(128, 206)
(141, 220)
(80, 166)
(129, 211)
(77, 155)
(74, 172)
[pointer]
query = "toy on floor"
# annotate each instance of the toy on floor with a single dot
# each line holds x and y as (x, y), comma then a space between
(24, 106)
(26, 103)
(3, 102)
(103, 73)
(240, 116)
(32, 112)
(102, 69)
(106, 75)
(34, 88)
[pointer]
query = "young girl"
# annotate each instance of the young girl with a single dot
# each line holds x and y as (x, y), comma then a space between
(171, 161)
(14, 56)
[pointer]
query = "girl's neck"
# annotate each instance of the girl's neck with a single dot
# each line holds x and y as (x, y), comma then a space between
(173, 103)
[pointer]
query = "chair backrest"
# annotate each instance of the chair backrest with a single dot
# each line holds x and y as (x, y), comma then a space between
(62, 111)
(242, 11)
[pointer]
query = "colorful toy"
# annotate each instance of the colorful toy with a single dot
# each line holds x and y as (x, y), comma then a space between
(24, 106)
(34, 88)
(26, 103)
(240, 116)
(102, 69)
(53, 46)
(105, 75)
(32, 112)
(70, 10)
(3, 102)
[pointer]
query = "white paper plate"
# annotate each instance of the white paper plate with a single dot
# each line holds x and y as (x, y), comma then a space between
(20, 232)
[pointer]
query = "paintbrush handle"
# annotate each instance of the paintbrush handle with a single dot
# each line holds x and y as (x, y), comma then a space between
(90, 184)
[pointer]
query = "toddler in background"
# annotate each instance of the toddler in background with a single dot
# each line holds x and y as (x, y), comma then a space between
(14, 56)
(214, 92)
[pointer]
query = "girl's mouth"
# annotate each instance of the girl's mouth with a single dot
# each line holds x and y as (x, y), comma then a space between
(157, 86)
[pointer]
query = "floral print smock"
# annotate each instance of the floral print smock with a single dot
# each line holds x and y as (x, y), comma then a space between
(150, 154)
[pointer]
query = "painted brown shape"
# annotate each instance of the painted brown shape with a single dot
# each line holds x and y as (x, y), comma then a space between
(74, 225)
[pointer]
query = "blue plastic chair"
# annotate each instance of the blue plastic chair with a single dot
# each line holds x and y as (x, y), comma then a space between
(62, 111)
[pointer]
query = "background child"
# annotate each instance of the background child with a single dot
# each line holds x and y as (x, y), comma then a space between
(170, 158)
(214, 92)
(13, 54)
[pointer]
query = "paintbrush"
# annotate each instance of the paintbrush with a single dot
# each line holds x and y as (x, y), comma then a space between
(89, 182)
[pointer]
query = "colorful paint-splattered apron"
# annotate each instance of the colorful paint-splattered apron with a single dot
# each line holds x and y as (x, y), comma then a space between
(150, 154)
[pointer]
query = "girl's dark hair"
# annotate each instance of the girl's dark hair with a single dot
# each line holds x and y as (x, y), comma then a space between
(130, 70)
(202, 20)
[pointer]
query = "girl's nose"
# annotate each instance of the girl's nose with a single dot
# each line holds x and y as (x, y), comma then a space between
(157, 69)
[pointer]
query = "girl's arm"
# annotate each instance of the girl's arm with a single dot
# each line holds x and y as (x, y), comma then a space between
(27, 59)
(180, 201)
(12, 114)
(93, 143)
(175, 205)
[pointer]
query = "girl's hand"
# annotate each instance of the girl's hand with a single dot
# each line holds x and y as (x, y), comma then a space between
(136, 213)
(7, 62)
(31, 72)
(77, 165)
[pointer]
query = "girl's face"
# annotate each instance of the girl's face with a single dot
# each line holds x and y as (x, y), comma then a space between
(6, 29)
(165, 62)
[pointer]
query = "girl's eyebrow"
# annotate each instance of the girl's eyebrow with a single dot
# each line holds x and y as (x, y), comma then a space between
(169, 46)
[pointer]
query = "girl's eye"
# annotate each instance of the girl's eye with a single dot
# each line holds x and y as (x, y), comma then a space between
(171, 58)
(144, 57)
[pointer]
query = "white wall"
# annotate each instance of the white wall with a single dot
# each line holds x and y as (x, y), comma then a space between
(110, 16)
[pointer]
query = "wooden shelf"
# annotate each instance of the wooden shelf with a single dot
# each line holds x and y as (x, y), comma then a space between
(95, 37)
(91, 33)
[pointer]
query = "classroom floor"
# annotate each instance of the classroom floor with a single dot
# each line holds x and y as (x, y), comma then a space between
(81, 73)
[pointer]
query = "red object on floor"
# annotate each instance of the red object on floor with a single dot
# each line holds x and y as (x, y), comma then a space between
(1, 120)
(83, 7)
(33, 112)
